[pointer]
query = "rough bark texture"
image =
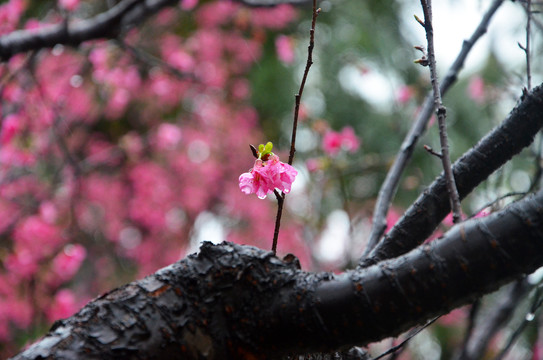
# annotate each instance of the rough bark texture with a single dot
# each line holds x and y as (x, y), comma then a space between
(494, 150)
(238, 302)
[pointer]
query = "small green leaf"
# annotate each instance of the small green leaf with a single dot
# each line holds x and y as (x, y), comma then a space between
(268, 148)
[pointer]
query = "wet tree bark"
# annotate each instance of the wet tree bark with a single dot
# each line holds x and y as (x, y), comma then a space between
(494, 150)
(239, 302)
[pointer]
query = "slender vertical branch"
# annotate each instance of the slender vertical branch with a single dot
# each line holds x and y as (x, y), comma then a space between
(411, 335)
(482, 331)
(473, 312)
(441, 113)
(529, 317)
(527, 47)
(297, 97)
(280, 202)
(390, 185)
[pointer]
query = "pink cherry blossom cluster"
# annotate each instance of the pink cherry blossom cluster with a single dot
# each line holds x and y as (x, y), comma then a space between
(477, 89)
(108, 161)
(284, 46)
(69, 5)
(266, 176)
(333, 142)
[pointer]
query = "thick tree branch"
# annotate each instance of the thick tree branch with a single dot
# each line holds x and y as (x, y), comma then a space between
(106, 25)
(494, 150)
(233, 301)
(109, 24)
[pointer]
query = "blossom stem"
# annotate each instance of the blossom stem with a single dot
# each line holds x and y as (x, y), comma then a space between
(280, 201)
(297, 97)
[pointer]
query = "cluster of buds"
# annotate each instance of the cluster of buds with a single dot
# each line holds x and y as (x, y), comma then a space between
(424, 59)
(267, 174)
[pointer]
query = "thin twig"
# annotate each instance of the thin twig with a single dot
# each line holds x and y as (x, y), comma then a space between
(538, 168)
(473, 312)
(498, 199)
(409, 337)
(432, 151)
(536, 304)
(441, 114)
(481, 335)
(390, 185)
(527, 47)
(280, 202)
(297, 97)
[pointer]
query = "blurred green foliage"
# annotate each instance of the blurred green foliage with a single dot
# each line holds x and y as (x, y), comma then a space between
(370, 37)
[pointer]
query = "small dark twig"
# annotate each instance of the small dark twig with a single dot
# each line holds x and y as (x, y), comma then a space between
(539, 170)
(473, 312)
(441, 114)
(527, 47)
(498, 199)
(432, 151)
(482, 333)
(536, 304)
(280, 201)
(536, 179)
(412, 334)
(419, 20)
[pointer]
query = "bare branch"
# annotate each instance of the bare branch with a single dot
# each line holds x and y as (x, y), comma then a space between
(441, 114)
(500, 145)
(298, 96)
(527, 48)
(390, 185)
(411, 335)
(537, 301)
(280, 201)
(432, 151)
(476, 345)
(106, 25)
